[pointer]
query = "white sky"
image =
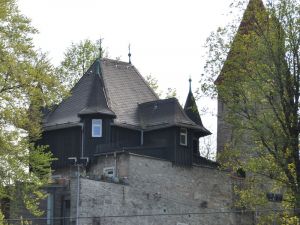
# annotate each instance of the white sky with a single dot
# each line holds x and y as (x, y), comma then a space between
(166, 36)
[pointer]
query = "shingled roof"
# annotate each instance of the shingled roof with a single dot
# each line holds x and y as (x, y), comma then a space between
(190, 107)
(166, 113)
(116, 89)
(109, 87)
(87, 96)
(125, 88)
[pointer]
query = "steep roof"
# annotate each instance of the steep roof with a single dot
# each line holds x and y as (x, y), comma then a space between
(190, 107)
(166, 113)
(116, 89)
(109, 87)
(87, 96)
(125, 88)
(254, 9)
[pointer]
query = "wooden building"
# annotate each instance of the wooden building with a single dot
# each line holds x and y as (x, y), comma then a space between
(113, 109)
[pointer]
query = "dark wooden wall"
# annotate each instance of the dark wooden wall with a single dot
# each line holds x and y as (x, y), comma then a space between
(92, 143)
(162, 143)
(123, 137)
(164, 140)
(184, 154)
(63, 143)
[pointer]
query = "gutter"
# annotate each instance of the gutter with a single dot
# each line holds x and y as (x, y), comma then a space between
(61, 126)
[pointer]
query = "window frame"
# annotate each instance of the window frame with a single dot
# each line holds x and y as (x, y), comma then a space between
(185, 134)
(95, 124)
(106, 171)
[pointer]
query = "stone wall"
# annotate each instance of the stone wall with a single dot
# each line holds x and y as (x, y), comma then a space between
(224, 130)
(157, 191)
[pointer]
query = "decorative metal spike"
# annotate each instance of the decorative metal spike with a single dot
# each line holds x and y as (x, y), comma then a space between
(129, 54)
(100, 48)
(190, 80)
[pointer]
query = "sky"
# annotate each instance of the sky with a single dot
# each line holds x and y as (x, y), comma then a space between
(167, 37)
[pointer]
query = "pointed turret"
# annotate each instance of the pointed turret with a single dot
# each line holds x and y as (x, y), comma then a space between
(241, 57)
(191, 109)
(254, 12)
(96, 99)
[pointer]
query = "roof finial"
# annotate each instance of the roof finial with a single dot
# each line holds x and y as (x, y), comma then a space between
(129, 54)
(190, 80)
(100, 48)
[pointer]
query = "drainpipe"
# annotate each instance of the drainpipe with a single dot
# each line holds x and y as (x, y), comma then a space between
(77, 199)
(82, 139)
(142, 137)
(76, 163)
(116, 170)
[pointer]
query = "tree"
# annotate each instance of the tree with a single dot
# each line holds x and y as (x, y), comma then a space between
(153, 83)
(258, 82)
(27, 83)
(77, 59)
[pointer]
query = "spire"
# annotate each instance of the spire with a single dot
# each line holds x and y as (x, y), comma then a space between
(100, 48)
(254, 11)
(129, 54)
(190, 107)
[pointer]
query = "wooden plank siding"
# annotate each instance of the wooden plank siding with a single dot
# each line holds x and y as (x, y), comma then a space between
(63, 143)
(184, 154)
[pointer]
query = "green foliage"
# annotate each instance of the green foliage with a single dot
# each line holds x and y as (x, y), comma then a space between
(171, 93)
(259, 86)
(153, 83)
(78, 57)
(27, 83)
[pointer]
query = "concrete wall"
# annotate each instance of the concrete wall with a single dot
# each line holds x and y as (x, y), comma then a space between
(174, 194)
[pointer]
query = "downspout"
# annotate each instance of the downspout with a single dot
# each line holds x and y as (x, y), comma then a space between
(82, 140)
(116, 169)
(78, 175)
(77, 199)
(142, 137)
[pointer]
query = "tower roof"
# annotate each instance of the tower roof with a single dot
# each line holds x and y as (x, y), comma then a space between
(191, 109)
(254, 9)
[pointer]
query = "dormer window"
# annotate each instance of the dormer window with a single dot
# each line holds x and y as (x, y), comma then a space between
(183, 136)
(96, 128)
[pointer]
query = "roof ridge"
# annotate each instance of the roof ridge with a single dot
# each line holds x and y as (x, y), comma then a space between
(143, 79)
(115, 60)
(68, 96)
(160, 100)
(105, 91)
(184, 114)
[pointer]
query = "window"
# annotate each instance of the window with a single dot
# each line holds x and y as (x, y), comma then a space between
(96, 128)
(183, 136)
(109, 171)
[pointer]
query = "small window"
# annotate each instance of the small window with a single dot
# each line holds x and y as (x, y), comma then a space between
(109, 171)
(183, 136)
(96, 128)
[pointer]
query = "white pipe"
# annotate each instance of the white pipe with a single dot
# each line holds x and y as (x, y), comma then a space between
(82, 138)
(77, 199)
